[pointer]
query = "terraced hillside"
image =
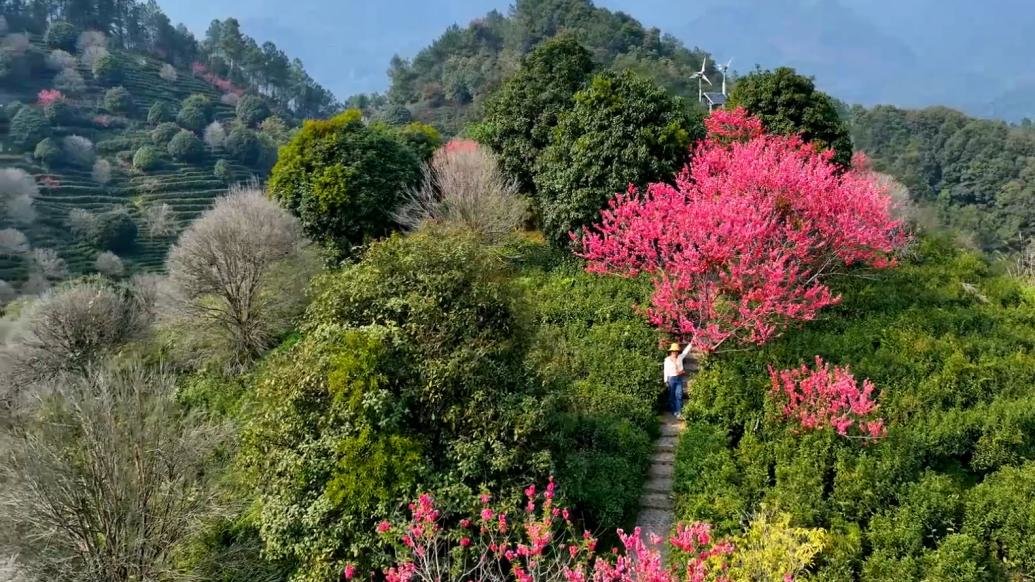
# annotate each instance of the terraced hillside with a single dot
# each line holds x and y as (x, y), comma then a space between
(187, 187)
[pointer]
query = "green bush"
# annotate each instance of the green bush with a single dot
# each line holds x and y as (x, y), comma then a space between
(146, 158)
(407, 377)
(252, 110)
(108, 70)
(60, 112)
(954, 373)
(185, 146)
(118, 100)
(114, 231)
(28, 127)
(161, 112)
(49, 153)
(422, 138)
(62, 35)
(192, 117)
(621, 130)
(163, 134)
(243, 145)
(344, 179)
(222, 171)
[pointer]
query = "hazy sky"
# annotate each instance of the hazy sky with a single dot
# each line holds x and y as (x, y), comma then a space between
(972, 55)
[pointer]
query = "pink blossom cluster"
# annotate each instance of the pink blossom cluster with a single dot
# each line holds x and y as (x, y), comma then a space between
(224, 85)
(49, 96)
(828, 396)
(50, 182)
(741, 244)
(103, 120)
(541, 544)
(460, 145)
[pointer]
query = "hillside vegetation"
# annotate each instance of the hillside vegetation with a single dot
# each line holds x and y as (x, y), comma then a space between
(447, 83)
(977, 175)
(119, 119)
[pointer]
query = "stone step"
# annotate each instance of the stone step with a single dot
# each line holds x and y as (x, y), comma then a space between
(666, 457)
(655, 517)
(671, 429)
(665, 445)
(656, 501)
(659, 485)
(660, 471)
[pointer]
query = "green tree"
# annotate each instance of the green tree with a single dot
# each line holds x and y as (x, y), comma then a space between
(789, 103)
(408, 376)
(252, 110)
(28, 127)
(163, 134)
(243, 145)
(192, 117)
(622, 130)
(146, 158)
(118, 100)
(48, 152)
(62, 35)
(185, 146)
(520, 116)
(343, 178)
(108, 69)
(161, 112)
(422, 138)
(114, 230)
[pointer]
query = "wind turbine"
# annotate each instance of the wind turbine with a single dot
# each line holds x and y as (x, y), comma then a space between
(700, 76)
(723, 69)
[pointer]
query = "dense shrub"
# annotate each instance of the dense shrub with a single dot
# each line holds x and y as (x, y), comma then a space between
(243, 145)
(101, 172)
(161, 112)
(958, 403)
(598, 354)
(221, 170)
(186, 146)
(118, 100)
(49, 153)
(108, 69)
(197, 100)
(343, 178)
(114, 230)
(408, 373)
(18, 189)
(252, 110)
(192, 117)
(59, 60)
(163, 134)
(69, 81)
(422, 138)
(60, 112)
(621, 130)
(146, 158)
(61, 34)
(28, 127)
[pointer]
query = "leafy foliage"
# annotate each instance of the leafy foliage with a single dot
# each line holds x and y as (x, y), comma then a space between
(789, 104)
(622, 130)
(343, 178)
(186, 146)
(954, 396)
(521, 115)
(28, 127)
(114, 230)
(978, 175)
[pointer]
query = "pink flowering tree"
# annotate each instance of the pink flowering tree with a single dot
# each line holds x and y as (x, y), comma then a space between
(540, 543)
(828, 396)
(49, 97)
(744, 241)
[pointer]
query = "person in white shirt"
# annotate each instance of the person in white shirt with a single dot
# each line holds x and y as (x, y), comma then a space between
(674, 378)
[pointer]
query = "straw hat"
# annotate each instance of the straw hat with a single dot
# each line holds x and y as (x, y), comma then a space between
(674, 348)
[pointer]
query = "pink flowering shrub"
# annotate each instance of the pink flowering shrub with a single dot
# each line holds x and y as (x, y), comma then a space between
(540, 544)
(460, 145)
(49, 97)
(741, 245)
(828, 396)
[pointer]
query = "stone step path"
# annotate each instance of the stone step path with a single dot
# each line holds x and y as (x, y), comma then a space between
(657, 510)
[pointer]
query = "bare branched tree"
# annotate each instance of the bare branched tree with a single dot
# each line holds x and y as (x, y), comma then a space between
(239, 272)
(159, 220)
(68, 329)
(49, 264)
(465, 187)
(106, 481)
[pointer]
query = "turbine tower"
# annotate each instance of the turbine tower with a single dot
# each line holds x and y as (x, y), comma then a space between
(700, 76)
(723, 69)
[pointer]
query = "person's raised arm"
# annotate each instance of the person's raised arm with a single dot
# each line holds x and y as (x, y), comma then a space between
(682, 355)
